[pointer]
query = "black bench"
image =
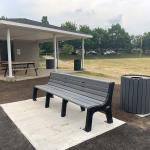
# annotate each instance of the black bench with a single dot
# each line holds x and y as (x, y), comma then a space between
(94, 95)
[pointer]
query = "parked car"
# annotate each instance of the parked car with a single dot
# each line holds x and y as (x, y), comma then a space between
(91, 53)
(72, 53)
(75, 52)
(109, 52)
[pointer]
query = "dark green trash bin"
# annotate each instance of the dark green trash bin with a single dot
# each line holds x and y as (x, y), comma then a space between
(77, 64)
(49, 63)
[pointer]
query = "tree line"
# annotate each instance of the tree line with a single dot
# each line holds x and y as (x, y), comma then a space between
(114, 38)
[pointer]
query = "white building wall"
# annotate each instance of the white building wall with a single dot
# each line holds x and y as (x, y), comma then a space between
(26, 51)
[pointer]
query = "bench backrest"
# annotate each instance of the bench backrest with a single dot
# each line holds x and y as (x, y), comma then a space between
(97, 89)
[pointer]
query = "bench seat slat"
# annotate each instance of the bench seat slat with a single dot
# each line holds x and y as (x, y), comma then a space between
(61, 76)
(81, 97)
(83, 84)
(80, 92)
(100, 88)
(73, 97)
(84, 89)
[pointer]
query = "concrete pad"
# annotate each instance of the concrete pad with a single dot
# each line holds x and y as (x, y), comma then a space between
(45, 129)
(143, 115)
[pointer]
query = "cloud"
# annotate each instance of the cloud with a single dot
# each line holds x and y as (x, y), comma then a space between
(79, 10)
(133, 15)
(116, 19)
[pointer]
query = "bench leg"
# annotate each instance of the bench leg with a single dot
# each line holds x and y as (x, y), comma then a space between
(89, 118)
(14, 72)
(35, 69)
(63, 109)
(34, 93)
(108, 113)
(82, 108)
(36, 72)
(5, 72)
(26, 69)
(48, 96)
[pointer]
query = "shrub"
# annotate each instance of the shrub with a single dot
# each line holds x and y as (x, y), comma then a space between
(68, 49)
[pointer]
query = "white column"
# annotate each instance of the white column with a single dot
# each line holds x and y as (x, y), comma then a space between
(83, 53)
(9, 53)
(55, 52)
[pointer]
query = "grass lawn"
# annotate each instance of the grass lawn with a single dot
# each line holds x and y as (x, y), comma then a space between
(111, 66)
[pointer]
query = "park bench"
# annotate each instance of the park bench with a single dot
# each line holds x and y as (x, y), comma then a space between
(93, 95)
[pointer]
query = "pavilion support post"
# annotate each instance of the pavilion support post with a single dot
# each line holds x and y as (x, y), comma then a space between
(55, 52)
(83, 53)
(9, 54)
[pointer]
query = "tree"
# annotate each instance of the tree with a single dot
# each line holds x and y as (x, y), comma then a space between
(88, 42)
(44, 20)
(119, 38)
(113, 38)
(136, 41)
(3, 17)
(85, 29)
(46, 47)
(67, 49)
(146, 41)
(69, 26)
(100, 39)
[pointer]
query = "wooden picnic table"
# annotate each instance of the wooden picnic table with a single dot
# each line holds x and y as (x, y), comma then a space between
(17, 66)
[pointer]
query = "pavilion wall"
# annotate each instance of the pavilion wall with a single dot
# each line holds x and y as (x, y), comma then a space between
(26, 51)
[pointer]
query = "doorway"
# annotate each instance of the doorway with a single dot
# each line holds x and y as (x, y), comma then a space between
(3, 51)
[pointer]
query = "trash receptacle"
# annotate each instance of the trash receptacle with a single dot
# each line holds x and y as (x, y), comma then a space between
(77, 64)
(49, 63)
(135, 94)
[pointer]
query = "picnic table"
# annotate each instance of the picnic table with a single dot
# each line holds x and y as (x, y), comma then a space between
(18, 66)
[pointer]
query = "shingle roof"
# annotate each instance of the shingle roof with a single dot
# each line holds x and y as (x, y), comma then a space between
(36, 23)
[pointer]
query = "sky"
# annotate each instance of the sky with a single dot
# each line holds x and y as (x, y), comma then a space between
(133, 15)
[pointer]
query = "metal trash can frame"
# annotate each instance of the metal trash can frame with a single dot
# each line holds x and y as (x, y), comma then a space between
(135, 94)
